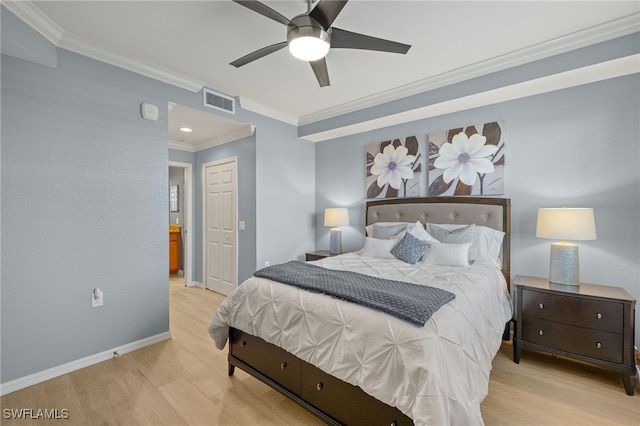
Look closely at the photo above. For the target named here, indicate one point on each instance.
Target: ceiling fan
(310, 35)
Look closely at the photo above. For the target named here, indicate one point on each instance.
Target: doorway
(220, 214)
(184, 217)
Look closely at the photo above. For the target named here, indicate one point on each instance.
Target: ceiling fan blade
(343, 39)
(326, 11)
(320, 70)
(258, 54)
(263, 10)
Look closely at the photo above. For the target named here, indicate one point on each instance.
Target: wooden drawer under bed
(332, 399)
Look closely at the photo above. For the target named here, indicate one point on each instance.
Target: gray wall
(576, 147)
(84, 205)
(285, 194)
(84, 202)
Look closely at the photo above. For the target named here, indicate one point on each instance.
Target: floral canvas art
(393, 168)
(467, 160)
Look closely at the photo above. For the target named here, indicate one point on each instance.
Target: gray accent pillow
(384, 232)
(410, 249)
(456, 236)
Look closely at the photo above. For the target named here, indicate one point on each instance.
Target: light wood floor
(184, 381)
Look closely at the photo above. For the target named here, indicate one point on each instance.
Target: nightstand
(317, 255)
(588, 322)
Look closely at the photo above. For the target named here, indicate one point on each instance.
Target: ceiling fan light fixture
(309, 43)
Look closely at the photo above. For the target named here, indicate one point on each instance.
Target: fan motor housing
(305, 26)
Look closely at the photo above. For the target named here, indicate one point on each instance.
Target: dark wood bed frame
(333, 400)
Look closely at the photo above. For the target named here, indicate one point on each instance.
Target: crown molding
(251, 105)
(598, 72)
(37, 20)
(181, 146)
(234, 135)
(32, 16)
(600, 33)
(79, 45)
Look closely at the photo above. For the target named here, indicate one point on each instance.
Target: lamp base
(564, 266)
(335, 241)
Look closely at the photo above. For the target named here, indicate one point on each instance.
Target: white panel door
(220, 213)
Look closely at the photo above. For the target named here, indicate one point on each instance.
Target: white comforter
(437, 374)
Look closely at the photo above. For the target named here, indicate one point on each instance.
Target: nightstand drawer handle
(599, 315)
(541, 332)
(598, 345)
(541, 306)
(319, 386)
(243, 343)
(283, 366)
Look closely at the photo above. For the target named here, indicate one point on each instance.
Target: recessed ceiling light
(186, 129)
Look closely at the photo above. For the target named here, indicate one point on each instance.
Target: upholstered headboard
(490, 212)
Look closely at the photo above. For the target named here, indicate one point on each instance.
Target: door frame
(188, 219)
(233, 159)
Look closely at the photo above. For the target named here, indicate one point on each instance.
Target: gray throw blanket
(410, 302)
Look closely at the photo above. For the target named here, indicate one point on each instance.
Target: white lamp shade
(336, 217)
(566, 224)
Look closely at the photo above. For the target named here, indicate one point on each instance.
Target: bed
(350, 364)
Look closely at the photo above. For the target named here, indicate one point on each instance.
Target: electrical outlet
(97, 298)
(267, 263)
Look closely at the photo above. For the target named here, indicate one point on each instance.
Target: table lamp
(565, 224)
(336, 217)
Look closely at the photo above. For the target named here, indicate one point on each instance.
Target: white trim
(42, 376)
(607, 31)
(251, 105)
(189, 218)
(234, 135)
(181, 146)
(233, 159)
(589, 74)
(32, 16)
(629, 24)
(78, 45)
(196, 284)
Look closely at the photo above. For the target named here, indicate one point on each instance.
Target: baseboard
(42, 376)
(195, 284)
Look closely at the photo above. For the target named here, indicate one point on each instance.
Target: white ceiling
(191, 43)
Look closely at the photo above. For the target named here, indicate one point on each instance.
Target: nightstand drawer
(581, 312)
(577, 340)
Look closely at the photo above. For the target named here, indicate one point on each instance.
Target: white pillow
(418, 231)
(447, 254)
(486, 243)
(374, 247)
(369, 228)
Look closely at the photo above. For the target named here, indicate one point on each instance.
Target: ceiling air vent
(218, 101)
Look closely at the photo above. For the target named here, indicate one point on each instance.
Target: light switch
(241, 225)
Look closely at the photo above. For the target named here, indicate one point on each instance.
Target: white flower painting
(393, 168)
(467, 161)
